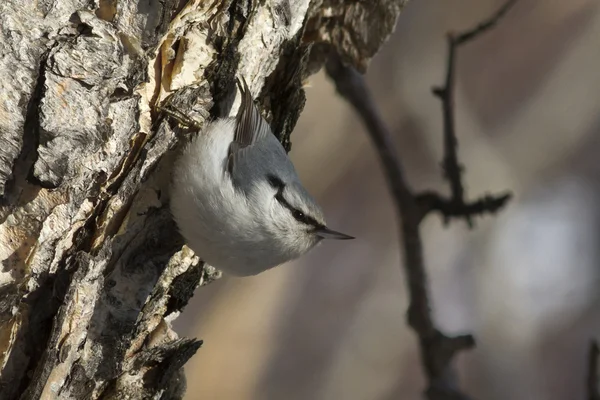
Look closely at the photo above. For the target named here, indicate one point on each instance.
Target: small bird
(237, 199)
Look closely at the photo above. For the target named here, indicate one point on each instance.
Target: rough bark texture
(93, 269)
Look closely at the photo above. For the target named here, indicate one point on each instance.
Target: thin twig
(449, 208)
(452, 168)
(593, 378)
(485, 25)
(437, 350)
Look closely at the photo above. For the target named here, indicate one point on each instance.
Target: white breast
(217, 221)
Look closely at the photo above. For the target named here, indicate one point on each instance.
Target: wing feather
(251, 127)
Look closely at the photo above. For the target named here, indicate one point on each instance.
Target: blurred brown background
(526, 283)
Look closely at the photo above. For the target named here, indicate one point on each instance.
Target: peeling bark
(93, 268)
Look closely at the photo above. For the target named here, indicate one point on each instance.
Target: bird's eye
(298, 214)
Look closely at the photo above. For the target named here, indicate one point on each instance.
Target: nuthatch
(237, 199)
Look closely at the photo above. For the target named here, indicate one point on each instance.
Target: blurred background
(526, 282)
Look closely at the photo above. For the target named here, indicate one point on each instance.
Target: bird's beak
(326, 233)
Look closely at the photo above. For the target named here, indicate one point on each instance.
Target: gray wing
(255, 152)
(250, 125)
(250, 128)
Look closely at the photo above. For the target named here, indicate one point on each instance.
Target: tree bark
(93, 269)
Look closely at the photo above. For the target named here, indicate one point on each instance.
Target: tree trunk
(93, 269)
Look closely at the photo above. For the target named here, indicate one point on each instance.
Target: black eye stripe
(299, 215)
(305, 219)
(275, 182)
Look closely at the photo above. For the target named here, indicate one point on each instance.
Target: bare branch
(485, 25)
(456, 206)
(437, 349)
(450, 208)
